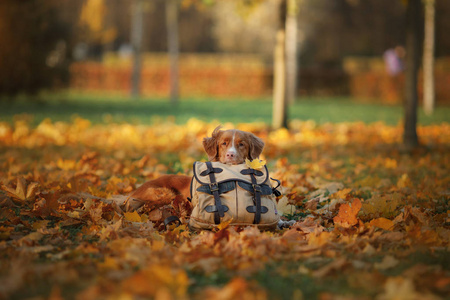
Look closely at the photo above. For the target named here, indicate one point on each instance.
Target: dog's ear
(256, 146)
(211, 144)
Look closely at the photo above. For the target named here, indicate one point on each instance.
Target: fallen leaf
(132, 216)
(284, 208)
(255, 164)
(347, 214)
(388, 262)
(225, 224)
(312, 204)
(23, 191)
(382, 223)
(342, 194)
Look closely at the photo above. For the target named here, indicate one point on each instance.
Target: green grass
(104, 109)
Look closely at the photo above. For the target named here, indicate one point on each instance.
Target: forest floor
(372, 222)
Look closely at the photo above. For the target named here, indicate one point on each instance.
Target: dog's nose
(231, 154)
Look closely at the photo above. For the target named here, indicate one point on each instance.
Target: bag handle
(276, 192)
(169, 220)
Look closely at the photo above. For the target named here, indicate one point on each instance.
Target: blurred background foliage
(226, 47)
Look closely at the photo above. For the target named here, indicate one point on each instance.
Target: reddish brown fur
(247, 146)
(217, 146)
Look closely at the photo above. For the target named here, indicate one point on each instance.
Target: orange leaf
(347, 214)
(382, 223)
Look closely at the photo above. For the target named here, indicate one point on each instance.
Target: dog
(226, 146)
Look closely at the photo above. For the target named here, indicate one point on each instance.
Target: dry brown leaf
(23, 192)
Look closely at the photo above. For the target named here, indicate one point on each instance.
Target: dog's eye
(241, 144)
(224, 143)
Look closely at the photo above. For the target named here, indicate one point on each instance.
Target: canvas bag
(220, 193)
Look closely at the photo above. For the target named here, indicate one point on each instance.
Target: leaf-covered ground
(372, 222)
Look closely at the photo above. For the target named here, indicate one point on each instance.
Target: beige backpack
(235, 193)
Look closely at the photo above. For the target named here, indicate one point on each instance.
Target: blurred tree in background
(34, 43)
(41, 38)
(93, 24)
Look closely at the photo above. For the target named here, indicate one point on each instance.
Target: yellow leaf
(225, 224)
(255, 164)
(404, 181)
(180, 229)
(66, 164)
(133, 216)
(342, 194)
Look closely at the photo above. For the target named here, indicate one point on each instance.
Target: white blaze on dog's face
(232, 146)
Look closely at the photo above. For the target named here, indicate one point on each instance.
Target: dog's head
(232, 146)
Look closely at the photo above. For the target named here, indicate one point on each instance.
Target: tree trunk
(137, 31)
(279, 118)
(428, 58)
(291, 51)
(410, 139)
(172, 38)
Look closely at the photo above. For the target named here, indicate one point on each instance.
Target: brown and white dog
(226, 146)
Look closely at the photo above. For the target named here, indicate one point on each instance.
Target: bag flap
(224, 172)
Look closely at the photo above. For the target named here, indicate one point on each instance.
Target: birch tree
(285, 63)
(137, 32)
(279, 113)
(173, 47)
(428, 57)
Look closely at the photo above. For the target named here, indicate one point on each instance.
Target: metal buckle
(256, 188)
(214, 187)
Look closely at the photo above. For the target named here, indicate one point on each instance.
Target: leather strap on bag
(257, 194)
(219, 211)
